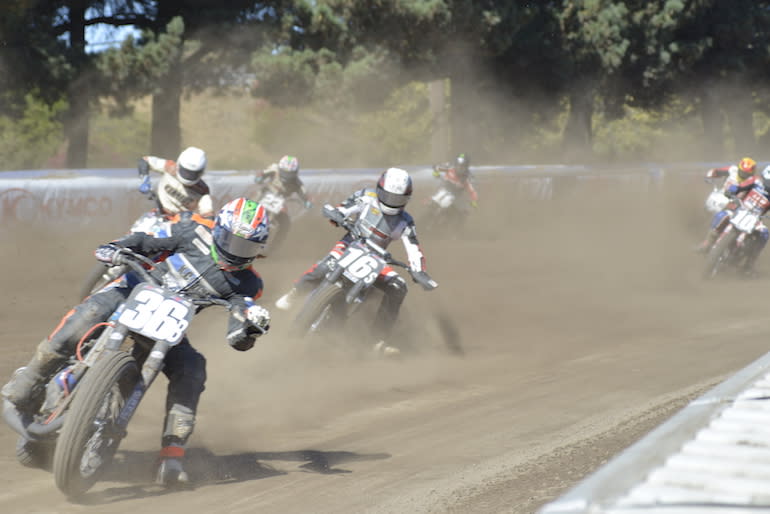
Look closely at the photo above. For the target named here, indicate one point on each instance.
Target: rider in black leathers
(207, 258)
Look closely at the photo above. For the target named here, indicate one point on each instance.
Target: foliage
(397, 131)
(28, 140)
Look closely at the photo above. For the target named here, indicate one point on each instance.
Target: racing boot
(171, 471)
(23, 390)
(383, 349)
(287, 301)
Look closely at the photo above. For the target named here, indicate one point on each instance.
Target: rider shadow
(206, 468)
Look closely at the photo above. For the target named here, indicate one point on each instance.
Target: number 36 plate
(156, 313)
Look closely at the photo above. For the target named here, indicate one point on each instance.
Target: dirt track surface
(575, 327)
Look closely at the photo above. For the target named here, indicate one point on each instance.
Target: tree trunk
(77, 120)
(713, 124)
(577, 142)
(439, 145)
(740, 115)
(166, 134)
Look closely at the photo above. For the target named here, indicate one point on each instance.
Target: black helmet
(463, 164)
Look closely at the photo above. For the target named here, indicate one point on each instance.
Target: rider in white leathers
(182, 187)
(380, 216)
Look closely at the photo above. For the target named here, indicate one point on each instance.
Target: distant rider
(760, 236)
(209, 258)
(379, 213)
(735, 174)
(458, 178)
(182, 187)
(283, 179)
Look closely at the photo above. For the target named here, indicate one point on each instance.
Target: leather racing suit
(189, 267)
(456, 182)
(271, 179)
(176, 197)
(382, 230)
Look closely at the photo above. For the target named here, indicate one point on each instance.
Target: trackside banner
(77, 198)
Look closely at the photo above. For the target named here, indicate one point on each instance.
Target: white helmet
(394, 190)
(190, 165)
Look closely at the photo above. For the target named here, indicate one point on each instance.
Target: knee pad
(179, 425)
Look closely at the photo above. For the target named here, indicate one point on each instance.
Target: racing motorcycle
(152, 222)
(90, 400)
(348, 283)
(444, 211)
(737, 239)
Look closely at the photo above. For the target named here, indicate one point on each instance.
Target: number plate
(157, 313)
(272, 202)
(359, 265)
(443, 197)
(745, 221)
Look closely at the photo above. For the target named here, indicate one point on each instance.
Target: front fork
(150, 370)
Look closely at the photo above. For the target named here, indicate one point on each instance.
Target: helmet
(393, 190)
(190, 165)
(766, 177)
(240, 234)
(288, 168)
(462, 164)
(746, 168)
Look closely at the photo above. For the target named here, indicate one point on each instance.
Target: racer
(379, 213)
(761, 184)
(283, 179)
(457, 177)
(733, 175)
(209, 258)
(182, 187)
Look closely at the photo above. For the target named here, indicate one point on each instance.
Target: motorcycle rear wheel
(89, 438)
(324, 307)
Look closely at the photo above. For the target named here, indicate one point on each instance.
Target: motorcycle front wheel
(719, 256)
(91, 436)
(324, 308)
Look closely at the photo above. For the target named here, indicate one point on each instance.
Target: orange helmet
(746, 167)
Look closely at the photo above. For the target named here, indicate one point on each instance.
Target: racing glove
(145, 187)
(109, 254)
(259, 317)
(732, 190)
(422, 278)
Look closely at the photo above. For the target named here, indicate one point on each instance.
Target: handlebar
(137, 263)
(336, 216)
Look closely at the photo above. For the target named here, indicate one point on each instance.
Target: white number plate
(745, 221)
(443, 197)
(272, 202)
(360, 265)
(156, 313)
